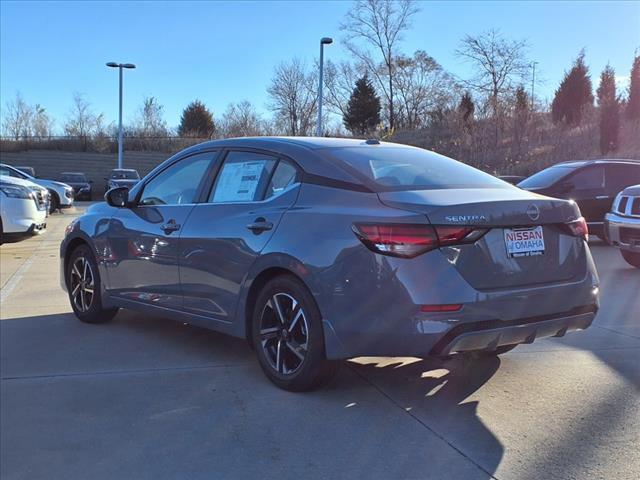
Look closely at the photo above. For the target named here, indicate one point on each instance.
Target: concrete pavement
(145, 397)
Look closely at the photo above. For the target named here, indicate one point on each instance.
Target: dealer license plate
(524, 242)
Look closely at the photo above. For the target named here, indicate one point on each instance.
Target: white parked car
(61, 194)
(23, 207)
(622, 224)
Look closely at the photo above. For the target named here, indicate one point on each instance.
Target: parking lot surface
(145, 397)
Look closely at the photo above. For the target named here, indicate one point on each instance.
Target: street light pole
(323, 41)
(533, 82)
(120, 66)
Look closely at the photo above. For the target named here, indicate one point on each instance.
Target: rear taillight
(578, 228)
(410, 240)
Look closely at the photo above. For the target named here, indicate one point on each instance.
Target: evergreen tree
(633, 102)
(363, 110)
(196, 121)
(573, 95)
(467, 108)
(609, 111)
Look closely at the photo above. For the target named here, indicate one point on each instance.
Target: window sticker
(238, 182)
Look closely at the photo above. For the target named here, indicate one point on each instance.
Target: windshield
(125, 174)
(13, 172)
(411, 169)
(73, 177)
(545, 178)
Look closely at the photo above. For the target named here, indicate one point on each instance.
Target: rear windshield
(410, 169)
(546, 178)
(125, 174)
(71, 177)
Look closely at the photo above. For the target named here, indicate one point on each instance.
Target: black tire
(1, 232)
(54, 202)
(290, 347)
(87, 306)
(632, 258)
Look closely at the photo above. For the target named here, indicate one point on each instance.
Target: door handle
(260, 225)
(170, 226)
(602, 197)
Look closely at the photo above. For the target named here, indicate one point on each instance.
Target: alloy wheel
(82, 284)
(284, 333)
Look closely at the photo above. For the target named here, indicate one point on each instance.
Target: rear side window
(619, 176)
(243, 177)
(285, 174)
(411, 169)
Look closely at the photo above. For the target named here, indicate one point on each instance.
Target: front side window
(546, 178)
(243, 177)
(589, 178)
(178, 184)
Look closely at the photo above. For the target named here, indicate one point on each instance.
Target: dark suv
(593, 184)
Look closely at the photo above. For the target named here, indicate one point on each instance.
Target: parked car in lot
(28, 170)
(23, 207)
(320, 249)
(122, 177)
(593, 184)
(82, 186)
(622, 224)
(60, 194)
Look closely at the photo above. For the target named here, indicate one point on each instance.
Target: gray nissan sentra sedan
(319, 249)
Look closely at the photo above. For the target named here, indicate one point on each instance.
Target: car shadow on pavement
(435, 392)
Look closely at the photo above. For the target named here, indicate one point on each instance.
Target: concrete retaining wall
(49, 164)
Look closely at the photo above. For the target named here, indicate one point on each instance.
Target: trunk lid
(486, 264)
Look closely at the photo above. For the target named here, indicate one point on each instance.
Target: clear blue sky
(226, 51)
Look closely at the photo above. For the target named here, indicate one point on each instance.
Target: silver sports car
(320, 249)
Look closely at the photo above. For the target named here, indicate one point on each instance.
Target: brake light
(579, 228)
(398, 240)
(410, 240)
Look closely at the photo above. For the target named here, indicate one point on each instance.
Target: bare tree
(500, 65)
(17, 118)
(339, 80)
(422, 87)
(241, 120)
(41, 122)
(293, 97)
(379, 24)
(150, 121)
(82, 122)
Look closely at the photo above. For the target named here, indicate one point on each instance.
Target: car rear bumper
(487, 336)
(391, 323)
(623, 232)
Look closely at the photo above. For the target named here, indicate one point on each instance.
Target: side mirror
(117, 197)
(90, 181)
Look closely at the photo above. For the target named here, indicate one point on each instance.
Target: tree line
(381, 91)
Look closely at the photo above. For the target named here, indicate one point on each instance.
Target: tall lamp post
(120, 66)
(323, 41)
(533, 82)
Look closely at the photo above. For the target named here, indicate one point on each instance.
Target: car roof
(598, 161)
(123, 170)
(312, 143)
(71, 173)
(306, 151)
